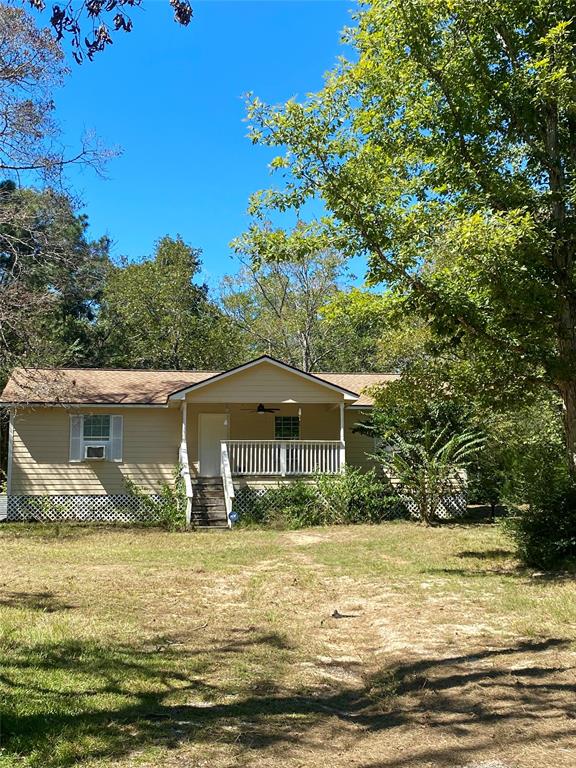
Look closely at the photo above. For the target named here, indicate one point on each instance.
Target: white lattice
(246, 498)
(121, 508)
(452, 506)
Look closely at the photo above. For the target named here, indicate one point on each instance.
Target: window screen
(287, 428)
(96, 427)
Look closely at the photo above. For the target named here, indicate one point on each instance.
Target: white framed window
(96, 428)
(96, 437)
(287, 428)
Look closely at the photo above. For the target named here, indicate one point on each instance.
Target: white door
(212, 428)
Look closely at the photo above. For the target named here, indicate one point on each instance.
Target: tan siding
(41, 453)
(358, 445)
(265, 383)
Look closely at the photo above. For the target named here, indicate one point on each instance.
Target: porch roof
(105, 386)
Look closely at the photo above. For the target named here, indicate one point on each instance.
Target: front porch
(263, 421)
(227, 446)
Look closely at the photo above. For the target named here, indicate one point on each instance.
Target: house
(81, 440)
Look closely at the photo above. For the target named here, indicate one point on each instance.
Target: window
(287, 428)
(96, 437)
(96, 428)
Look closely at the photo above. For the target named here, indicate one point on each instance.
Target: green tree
(430, 469)
(154, 314)
(446, 150)
(278, 307)
(51, 276)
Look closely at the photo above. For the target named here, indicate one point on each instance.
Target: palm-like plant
(430, 470)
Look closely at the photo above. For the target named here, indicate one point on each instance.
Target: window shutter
(75, 438)
(116, 430)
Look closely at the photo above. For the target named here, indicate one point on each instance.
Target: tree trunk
(568, 394)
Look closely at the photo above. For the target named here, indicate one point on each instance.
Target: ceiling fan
(261, 408)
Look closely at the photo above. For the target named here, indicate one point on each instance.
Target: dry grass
(140, 648)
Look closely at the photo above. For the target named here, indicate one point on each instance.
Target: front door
(212, 428)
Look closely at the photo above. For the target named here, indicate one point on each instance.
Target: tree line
(65, 302)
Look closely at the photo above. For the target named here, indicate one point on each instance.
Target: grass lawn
(143, 648)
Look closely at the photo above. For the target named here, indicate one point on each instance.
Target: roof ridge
(121, 370)
(355, 373)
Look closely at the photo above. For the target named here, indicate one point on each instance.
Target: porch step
(208, 507)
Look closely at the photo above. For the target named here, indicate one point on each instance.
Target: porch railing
(284, 457)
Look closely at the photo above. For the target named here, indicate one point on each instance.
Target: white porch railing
(284, 457)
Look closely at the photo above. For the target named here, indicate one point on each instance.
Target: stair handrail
(228, 483)
(185, 474)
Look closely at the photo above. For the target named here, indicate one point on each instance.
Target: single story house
(81, 440)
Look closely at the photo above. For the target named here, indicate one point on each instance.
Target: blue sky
(171, 98)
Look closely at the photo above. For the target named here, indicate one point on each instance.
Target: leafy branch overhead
(445, 150)
(101, 18)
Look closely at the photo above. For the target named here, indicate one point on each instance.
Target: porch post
(342, 441)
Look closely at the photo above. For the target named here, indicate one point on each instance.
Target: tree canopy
(445, 149)
(155, 315)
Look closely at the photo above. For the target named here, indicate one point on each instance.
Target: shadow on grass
(487, 554)
(64, 703)
(35, 601)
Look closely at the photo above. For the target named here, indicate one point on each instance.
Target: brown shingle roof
(136, 387)
(359, 382)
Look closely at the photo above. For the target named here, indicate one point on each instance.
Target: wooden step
(208, 506)
(209, 521)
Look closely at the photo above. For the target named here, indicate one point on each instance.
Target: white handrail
(227, 481)
(185, 474)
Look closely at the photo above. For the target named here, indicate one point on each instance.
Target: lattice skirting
(121, 508)
(453, 506)
(246, 497)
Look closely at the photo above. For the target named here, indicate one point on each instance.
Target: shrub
(354, 496)
(168, 511)
(430, 469)
(293, 505)
(350, 497)
(545, 531)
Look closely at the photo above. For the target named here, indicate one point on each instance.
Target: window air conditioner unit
(95, 452)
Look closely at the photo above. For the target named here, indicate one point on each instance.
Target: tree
(375, 333)
(50, 279)
(431, 469)
(278, 307)
(69, 21)
(446, 150)
(154, 315)
(31, 66)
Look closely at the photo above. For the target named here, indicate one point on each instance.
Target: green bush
(354, 496)
(168, 511)
(350, 497)
(293, 505)
(545, 531)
